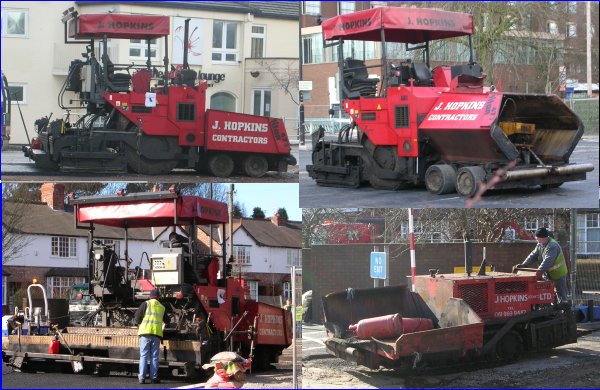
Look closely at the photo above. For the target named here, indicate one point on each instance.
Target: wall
(332, 268)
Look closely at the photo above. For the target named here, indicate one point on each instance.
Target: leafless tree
(14, 213)
(285, 74)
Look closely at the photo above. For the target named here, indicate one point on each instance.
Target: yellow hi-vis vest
(559, 268)
(153, 319)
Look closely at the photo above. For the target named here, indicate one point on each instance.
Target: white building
(247, 50)
(264, 251)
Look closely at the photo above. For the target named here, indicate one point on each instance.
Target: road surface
(580, 194)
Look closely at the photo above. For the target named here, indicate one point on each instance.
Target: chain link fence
(587, 110)
(587, 272)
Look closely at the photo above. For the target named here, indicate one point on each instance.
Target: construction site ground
(276, 378)
(568, 366)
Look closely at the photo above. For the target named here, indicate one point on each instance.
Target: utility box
(167, 268)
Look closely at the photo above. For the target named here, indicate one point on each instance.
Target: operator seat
(422, 74)
(356, 79)
(118, 82)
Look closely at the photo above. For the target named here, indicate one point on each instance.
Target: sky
(269, 197)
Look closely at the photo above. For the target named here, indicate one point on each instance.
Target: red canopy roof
(149, 209)
(123, 26)
(406, 25)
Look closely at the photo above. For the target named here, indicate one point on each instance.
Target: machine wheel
(220, 165)
(384, 184)
(145, 166)
(440, 179)
(510, 347)
(468, 179)
(256, 165)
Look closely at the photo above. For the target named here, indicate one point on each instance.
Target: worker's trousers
(560, 286)
(149, 349)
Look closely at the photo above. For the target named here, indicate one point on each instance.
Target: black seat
(356, 80)
(422, 74)
(118, 82)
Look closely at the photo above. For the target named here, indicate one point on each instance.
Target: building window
(4, 291)
(552, 27)
(241, 254)
(377, 4)
(15, 23)
(223, 101)
(257, 47)
(261, 102)
(436, 237)
(572, 7)
(293, 257)
(253, 290)
(225, 47)
(588, 232)
(531, 225)
(312, 7)
(312, 49)
(346, 7)
(138, 49)
(571, 30)
(18, 93)
(287, 291)
(60, 286)
(114, 243)
(64, 247)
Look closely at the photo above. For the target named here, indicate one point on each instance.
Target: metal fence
(587, 109)
(587, 264)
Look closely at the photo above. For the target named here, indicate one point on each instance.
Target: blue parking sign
(378, 265)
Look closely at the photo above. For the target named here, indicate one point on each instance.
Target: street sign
(378, 265)
(305, 85)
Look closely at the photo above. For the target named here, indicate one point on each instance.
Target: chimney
(53, 195)
(279, 220)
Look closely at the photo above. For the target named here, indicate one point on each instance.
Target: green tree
(282, 213)
(258, 213)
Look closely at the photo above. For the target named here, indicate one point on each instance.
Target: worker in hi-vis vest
(150, 316)
(553, 265)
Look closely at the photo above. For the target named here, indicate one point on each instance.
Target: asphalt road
(579, 194)
(17, 167)
(11, 379)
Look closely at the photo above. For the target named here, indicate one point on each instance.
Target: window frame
(345, 10)
(568, 30)
(4, 290)
(223, 50)
(223, 93)
(293, 257)
(5, 24)
(262, 101)
(549, 25)
(143, 45)
(313, 5)
(24, 93)
(286, 290)
(247, 256)
(64, 285)
(70, 250)
(253, 290)
(262, 36)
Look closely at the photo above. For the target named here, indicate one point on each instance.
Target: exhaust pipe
(575, 168)
(541, 172)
